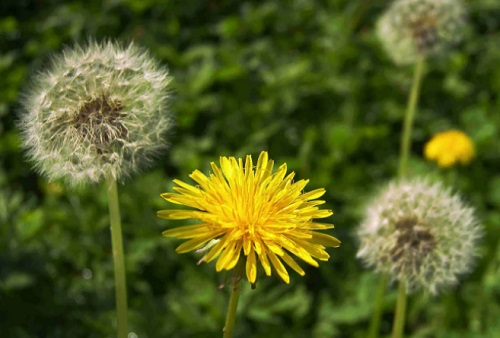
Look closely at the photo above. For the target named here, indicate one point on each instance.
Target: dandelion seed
(450, 148)
(420, 28)
(419, 233)
(98, 111)
(251, 210)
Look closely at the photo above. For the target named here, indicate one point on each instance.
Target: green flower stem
(399, 319)
(233, 301)
(231, 311)
(379, 307)
(118, 258)
(402, 171)
(409, 116)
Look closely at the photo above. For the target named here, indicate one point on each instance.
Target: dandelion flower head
(449, 148)
(419, 233)
(97, 111)
(410, 29)
(252, 211)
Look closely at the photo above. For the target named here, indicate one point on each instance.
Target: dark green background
(305, 80)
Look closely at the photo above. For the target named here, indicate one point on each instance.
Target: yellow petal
(279, 267)
(275, 248)
(264, 261)
(297, 250)
(195, 191)
(216, 250)
(247, 245)
(315, 213)
(196, 242)
(236, 256)
(189, 231)
(316, 226)
(199, 178)
(277, 178)
(315, 250)
(431, 150)
(313, 194)
(228, 257)
(325, 240)
(251, 266)
(179, 214)
(183, 200)
(291, 263)
(262, 161)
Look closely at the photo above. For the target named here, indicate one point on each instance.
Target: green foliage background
(305, 80)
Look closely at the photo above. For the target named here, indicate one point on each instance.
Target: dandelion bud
(449, 148)
(419, 28)
(419, 233)
(97, 111)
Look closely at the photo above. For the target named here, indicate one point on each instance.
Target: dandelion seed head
(97, 111)
(420, 233)
(420, 28)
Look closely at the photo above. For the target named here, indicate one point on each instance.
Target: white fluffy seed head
(419, 28)
(419, 233)
(97, 111)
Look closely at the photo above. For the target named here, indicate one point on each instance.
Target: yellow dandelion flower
(251, 210)
(449, 148)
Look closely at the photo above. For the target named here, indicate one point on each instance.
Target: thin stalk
(409, 117)
(118, 258)
(399, 319)
(378, 308)
(402, 171)
(233, 301)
